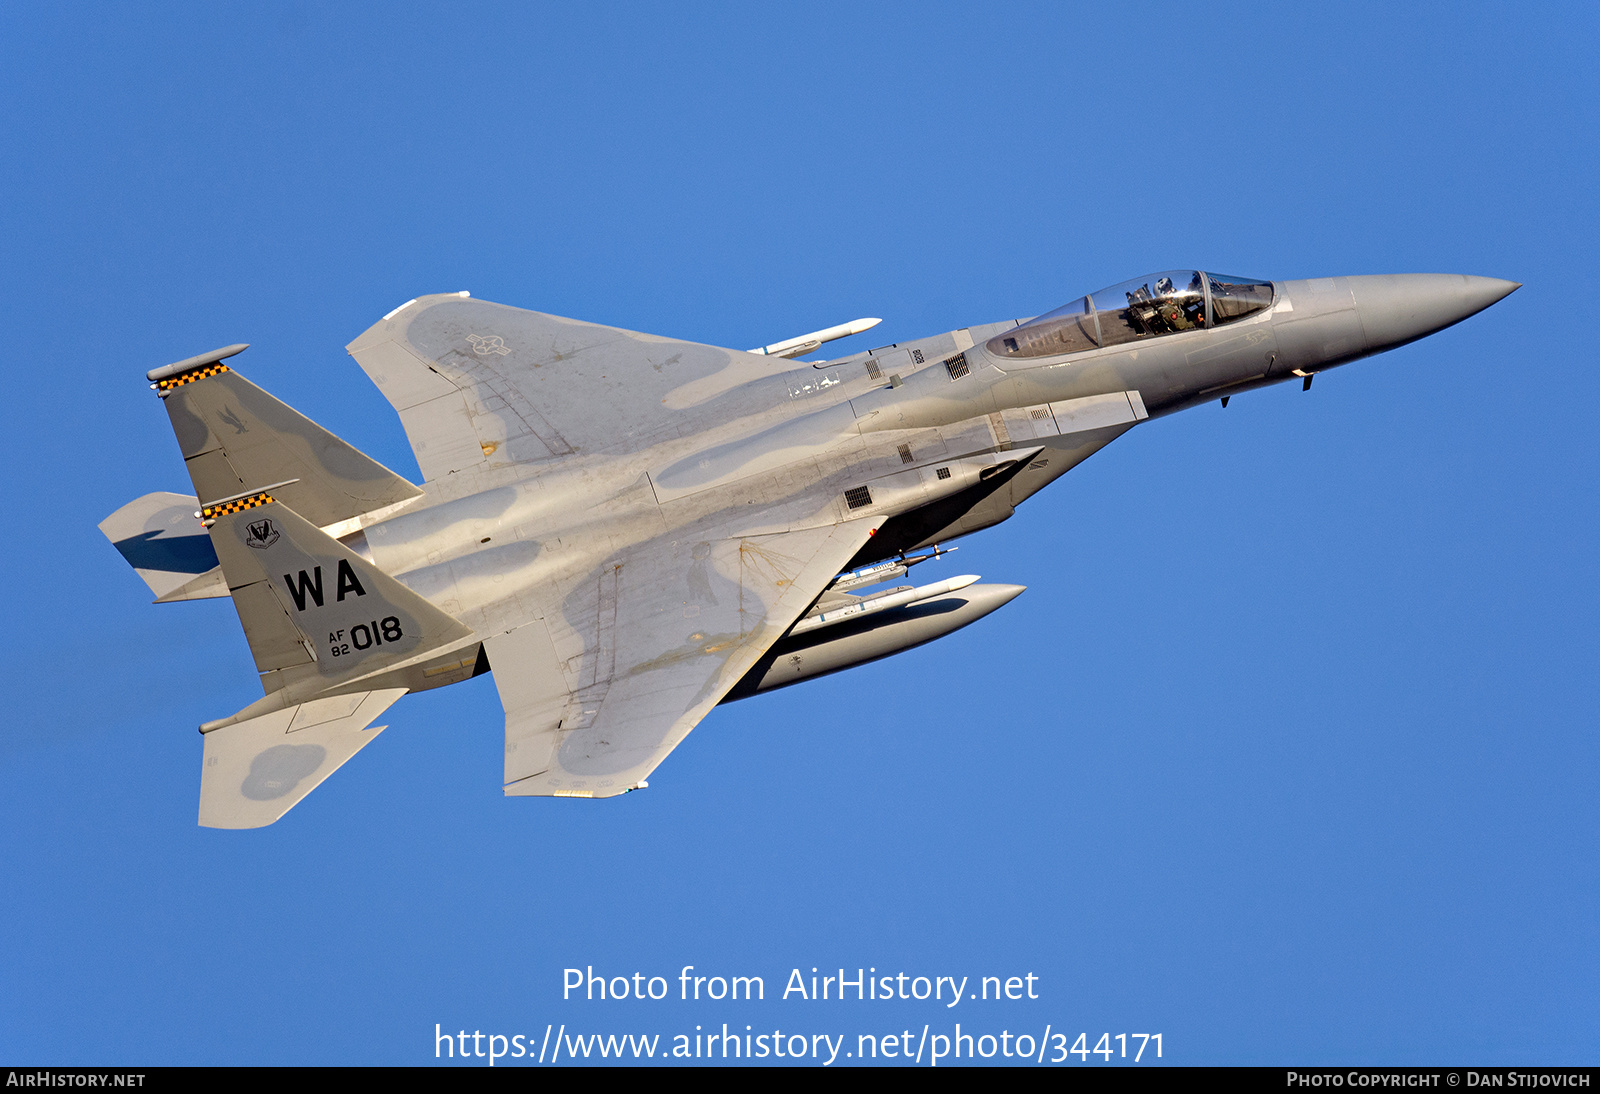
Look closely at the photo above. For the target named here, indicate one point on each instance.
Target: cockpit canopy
(1148, 307)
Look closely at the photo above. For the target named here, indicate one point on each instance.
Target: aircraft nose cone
(1400, 308)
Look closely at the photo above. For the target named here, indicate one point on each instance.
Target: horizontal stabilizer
(316, 614)
(208, 585)
(164, 543)
(255, 771)
(237, 437)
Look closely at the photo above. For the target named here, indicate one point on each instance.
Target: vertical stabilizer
(316, 614)
(237, 437)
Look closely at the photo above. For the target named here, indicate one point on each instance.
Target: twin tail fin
(237, 437)
(317, 615)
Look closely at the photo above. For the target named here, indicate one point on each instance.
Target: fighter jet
(627, 530)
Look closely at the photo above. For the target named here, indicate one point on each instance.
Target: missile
(882, 602)
(884, 571)
(805, 343)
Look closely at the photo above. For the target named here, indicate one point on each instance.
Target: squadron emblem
(260, 534)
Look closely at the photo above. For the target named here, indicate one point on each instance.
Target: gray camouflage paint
(629, 524)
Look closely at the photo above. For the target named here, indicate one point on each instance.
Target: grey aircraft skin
(628, 529)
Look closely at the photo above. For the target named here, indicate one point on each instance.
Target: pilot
(1196, 306)
(1172, 312)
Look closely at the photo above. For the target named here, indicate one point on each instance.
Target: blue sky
(1288, 753)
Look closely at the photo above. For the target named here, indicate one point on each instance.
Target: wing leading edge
(678, 628)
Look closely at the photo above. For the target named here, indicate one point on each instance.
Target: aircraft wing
(609, 670)
(477, 383)
(675, 626)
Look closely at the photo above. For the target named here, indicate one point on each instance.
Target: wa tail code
(310, 586)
